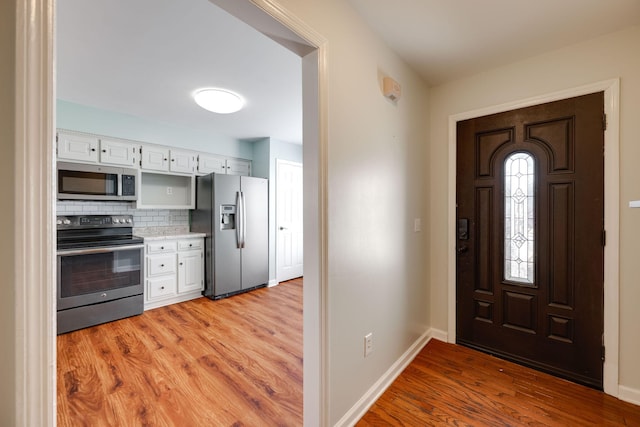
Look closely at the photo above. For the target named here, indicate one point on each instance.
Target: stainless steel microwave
(78, 181)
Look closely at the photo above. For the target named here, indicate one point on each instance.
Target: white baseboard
(439, 335)
(361, 407)
(272, 283)
(629, 394)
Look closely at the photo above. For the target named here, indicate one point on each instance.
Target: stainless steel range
(100, 270)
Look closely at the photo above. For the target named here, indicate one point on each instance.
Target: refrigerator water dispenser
(227, 217)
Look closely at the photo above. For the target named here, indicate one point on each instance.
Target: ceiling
(447, 39)
(146, 57)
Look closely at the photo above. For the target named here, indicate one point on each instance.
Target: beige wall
(376, 188)
(7, 310)
(611, 56)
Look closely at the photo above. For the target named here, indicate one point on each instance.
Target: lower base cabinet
(174, 271)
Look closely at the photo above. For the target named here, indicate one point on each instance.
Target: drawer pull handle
(161, 265)
(161, 247)
(161, 287)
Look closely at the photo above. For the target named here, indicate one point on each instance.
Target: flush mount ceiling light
(219, 101)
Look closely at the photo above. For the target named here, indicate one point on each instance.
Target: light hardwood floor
(236, 361)
(452, 385)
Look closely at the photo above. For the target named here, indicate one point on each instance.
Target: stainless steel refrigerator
(233, 211)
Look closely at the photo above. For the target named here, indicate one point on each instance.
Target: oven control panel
(93, 221)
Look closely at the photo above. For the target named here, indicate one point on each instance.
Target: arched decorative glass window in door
(519, 218)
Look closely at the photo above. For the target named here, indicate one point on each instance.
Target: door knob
(462, 249)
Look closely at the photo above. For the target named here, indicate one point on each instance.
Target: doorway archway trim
(34, 338)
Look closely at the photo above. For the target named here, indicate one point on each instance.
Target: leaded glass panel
(519, 231)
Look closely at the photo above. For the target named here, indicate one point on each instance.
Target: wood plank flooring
(452, 385)
(236, 361)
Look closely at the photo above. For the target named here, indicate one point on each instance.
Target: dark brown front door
(530, 218)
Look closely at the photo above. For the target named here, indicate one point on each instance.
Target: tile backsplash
(141, 217)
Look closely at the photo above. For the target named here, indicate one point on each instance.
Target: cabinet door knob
(93, 149)
(180, 263)
(161, 265)
(161, 247)
(161, 287)
(104, 151)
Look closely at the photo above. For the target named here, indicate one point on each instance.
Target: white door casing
(289, 236)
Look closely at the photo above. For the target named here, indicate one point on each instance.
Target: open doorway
(36, 352)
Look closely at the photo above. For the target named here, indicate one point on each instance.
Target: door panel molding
(611, 89)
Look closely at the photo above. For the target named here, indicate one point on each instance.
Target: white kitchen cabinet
(154, 158)
(114, 152)
(211, 164)
(182, 161)
(190, 265)
(77, 147)
(163, 159)
(150, 158)
(174, 270)
(158, 265)
(161, 288)
(238, 167)
(88, 148)
(217, 164)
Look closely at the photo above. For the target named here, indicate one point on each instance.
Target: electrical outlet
(417, 225)
(368, 344)
(169, 190)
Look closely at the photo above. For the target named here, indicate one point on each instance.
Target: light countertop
(165, 233)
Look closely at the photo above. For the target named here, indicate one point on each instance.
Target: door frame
(276, 225)
(34, 198)
(611, 89)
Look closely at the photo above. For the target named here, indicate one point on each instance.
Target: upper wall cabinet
(154, 158)
(118, 152)
(182, 161)
(238, 167)
(93, 149)
(78, 147)
(211, 164)
(217, 164)
(163, 159)
(83, 147)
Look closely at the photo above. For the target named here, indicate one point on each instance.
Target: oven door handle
(103, 250)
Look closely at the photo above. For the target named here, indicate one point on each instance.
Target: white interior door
(288, 220)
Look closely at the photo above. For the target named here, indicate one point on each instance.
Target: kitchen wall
(265, 153)
(8, 183)
(611, 56)
(377, 184)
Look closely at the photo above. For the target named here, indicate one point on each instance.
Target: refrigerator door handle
(239, 233)
(243, 219)
(240, 220)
